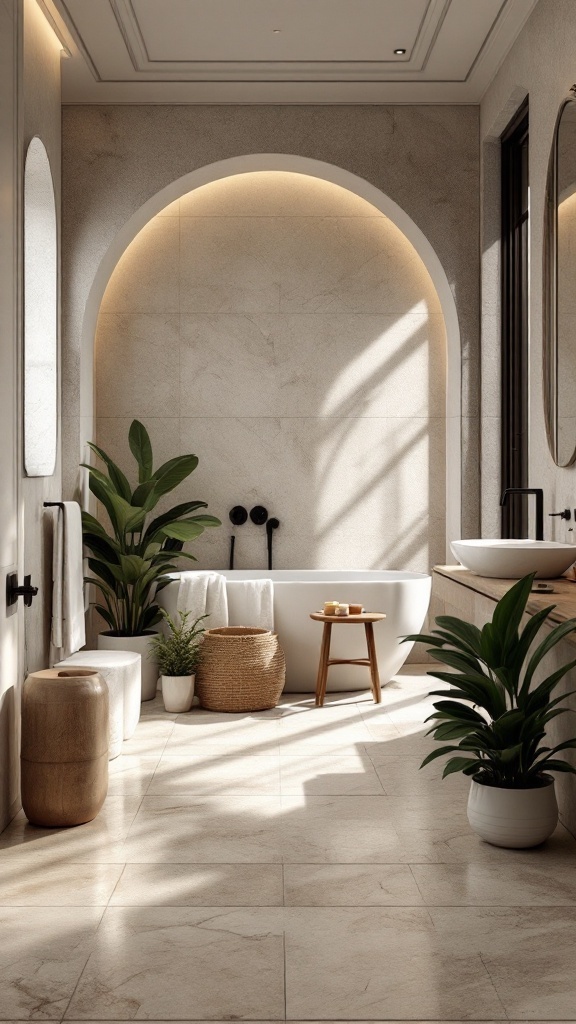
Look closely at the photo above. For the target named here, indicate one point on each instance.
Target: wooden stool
(367, 619)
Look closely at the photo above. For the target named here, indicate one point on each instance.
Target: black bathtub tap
(271, 525)
(238, 516)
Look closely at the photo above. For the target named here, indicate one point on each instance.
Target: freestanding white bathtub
(403, 596)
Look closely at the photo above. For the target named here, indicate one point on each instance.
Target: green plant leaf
(554, 765)
(106, 615)
(166, 518)
(422, 638)
(451, 730)
(117, 477)
(133, 567)
(207, 522)
(142, 494)
(465, 631)
(437, 753)
(102, 570)
(509, 611)
(554, 637)
(460, 710)
(102, 546)
(91, 525)
(460, 764)
(458, 660)
(172, 473)
(183, 530)
(141, 448)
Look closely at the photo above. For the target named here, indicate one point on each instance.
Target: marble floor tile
(338, 829)
(219, 774)
(56, 884)
(169, 905)
(187, 739)
(176, 963)
(354, 885)
(42, 955)
(150, 737)
(389, 743)
(320, 729)
(559, 850)
(215, 830)
(381, 964)
(100, 840)
(344, 745)
(496, 884)
(155, 709)
(529, 953)
(199, 885)
(329, 774)
(130, 774)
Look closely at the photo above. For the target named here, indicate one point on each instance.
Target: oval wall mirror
(40, 314)
(559, 328)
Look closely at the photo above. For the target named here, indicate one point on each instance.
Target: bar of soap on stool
(342, 609)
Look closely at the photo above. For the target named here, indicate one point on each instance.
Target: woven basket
(242, 669)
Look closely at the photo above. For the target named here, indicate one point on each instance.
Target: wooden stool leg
(323, 665)
(374, 677)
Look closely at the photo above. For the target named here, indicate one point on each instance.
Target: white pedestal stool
(122, 671)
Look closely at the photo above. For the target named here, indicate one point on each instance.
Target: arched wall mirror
(40, 314)
(559, 328)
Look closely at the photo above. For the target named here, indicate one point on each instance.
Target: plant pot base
(513, 818)
(178, 693)
(137, 645)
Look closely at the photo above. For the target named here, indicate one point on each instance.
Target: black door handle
(13, 591)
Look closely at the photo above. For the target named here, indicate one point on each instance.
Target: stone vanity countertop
(564, 595)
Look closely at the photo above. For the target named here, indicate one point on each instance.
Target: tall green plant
(129, 565)
(493, 708)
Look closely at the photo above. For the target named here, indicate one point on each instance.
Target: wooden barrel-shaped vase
(64, 746)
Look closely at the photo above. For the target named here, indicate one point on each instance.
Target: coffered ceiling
(283, 51)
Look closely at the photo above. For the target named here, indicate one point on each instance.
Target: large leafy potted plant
(493, 718)
(178, 655)
(129, 565)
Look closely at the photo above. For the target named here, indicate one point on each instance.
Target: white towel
(204, 593)
(256, 603)
(68, 622)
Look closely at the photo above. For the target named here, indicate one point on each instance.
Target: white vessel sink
(512, 559)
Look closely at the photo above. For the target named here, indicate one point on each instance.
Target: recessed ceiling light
(276, 31)
(399, 52)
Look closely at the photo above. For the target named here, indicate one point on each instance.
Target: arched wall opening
(360, 384)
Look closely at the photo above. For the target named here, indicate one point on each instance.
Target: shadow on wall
(285, 331)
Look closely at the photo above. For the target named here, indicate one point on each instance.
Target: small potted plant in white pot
(499, 715)
(178, 655)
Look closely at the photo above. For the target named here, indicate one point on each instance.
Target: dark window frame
(515, 313)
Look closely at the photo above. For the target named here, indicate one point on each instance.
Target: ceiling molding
(454, 50)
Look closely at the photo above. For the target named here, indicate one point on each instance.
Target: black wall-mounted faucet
(539, 494)
(271, 525)
(238, 516)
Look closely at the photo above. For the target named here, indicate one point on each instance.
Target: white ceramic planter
(515, 818)
(178, 692)
(138, 645)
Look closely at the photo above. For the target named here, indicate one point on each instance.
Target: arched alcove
(359, 188)
(40, 314)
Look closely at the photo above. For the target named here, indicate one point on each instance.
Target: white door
(11, 618)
